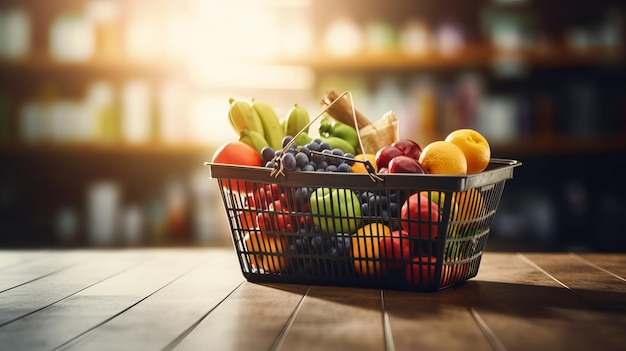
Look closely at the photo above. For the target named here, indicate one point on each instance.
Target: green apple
(336, 210)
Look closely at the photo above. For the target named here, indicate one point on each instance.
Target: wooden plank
(36, 266)
(334, 318)
(110, 294)
(159, 319)
(521, 308)
(250, 319)
(29, 298)
(611, 263)
(598, 287)
(432, 321)
(10, 258)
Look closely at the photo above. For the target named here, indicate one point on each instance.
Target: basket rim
(497, 170)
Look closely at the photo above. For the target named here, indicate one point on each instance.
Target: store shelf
(476, 56)
(99, 151)
(42, 65)
(552, 145)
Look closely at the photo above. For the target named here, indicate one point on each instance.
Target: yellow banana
(242, 116)
(297, 120)
(272, 129)
(254, 139)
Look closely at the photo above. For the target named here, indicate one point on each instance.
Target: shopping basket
(419, 232)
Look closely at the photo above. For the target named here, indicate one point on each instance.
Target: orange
(359, 167)
(440, 157)
(470, 205)
(365, 249)
(269, 251)
(237, 153)
(475, 147)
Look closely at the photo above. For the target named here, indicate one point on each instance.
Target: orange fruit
(470, 205)
(474, 146)
(269, 251)
(359, 167)
(440, 157)
(365, 249)
(237, 153)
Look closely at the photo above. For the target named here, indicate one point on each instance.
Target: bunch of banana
(297, 120)
(241, 116)
(256, 123)
(272, 128)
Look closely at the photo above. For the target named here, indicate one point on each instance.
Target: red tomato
(421, 271)
(395, 249)
(419, 217)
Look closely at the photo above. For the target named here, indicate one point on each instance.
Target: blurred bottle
(103, 211)
(141, 27)
(380, 37)
(72, 37)
(497, 118)
(132, 225)
(105, 17)
(177, 212)
(416, 38)
(343, 37)
(66, 225)
(424, 102)
(15, 33)
(136, 112)
(450, 39)
(102, 112)
(173, 112)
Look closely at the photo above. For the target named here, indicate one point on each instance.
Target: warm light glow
(343, 38)
(252, 76)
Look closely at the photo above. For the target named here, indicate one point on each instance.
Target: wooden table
(197, 299)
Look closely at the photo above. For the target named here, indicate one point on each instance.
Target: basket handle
(278, 161)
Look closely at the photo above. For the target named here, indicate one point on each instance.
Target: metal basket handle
(278, 161)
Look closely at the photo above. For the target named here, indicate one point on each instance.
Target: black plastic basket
(308, 241)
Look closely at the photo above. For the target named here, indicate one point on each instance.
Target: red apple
(277, 219)
(405, 164)
(419, 217)
(386, 154)
(395, 249)
(421, 271)
(409, 148)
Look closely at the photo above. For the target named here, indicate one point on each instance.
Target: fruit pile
(386, 234)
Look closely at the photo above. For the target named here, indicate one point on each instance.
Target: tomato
(237, 153)
(421, 271)
(419, 217)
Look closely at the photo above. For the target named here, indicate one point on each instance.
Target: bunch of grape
(383, 207)
(315, 156)
(314, 253)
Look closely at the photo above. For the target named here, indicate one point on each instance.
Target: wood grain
(196, 299)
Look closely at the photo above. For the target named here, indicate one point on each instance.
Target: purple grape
(289, 162)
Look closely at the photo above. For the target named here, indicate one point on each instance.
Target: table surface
(197, 299)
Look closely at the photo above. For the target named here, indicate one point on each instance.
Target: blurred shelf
(471, 57)
(103, 150)
(42, 65)
(475, 56)
(560, 145)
